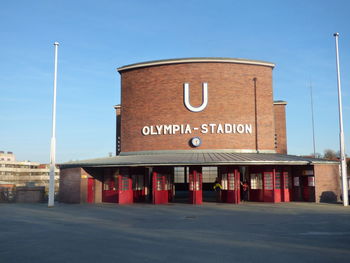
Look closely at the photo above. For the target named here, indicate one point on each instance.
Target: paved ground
(251, 232)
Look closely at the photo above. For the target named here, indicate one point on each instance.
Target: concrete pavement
(250, 232)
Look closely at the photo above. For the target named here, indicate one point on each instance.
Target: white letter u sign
(204, 97)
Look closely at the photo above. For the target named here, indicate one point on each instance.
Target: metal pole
(313, 123)
(53, 138)
(341, 135)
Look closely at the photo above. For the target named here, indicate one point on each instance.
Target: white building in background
(23, 173)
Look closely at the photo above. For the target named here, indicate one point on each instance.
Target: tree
(330, 154)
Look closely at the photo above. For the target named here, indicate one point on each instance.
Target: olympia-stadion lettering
(204, 128)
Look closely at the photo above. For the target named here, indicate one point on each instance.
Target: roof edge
(171, 160)
(195, 60)
(279, 102)
(160, 152)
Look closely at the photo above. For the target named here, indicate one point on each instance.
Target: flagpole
(312, 119)
(51, 202)
(341, 135)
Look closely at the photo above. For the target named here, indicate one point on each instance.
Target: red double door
(125, 192)
(230, 180)
(160, 187)
(276, 186)
(118, 189)
(195, 185)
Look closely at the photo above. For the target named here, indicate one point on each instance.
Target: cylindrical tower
(197, 104)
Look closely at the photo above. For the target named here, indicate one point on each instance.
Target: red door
(109, 191)
(305, 188)
(195, 187)
(268, 187)
(91, 190)
(138, 187)
(285, 187)
(160, 191)
(125, 193)
(277, 187)
(256, 191)
(233, 187)
(171, 188)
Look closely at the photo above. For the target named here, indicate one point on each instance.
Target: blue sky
(96, 37)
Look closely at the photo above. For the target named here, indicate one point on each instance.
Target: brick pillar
(118, 127)
(280, 126)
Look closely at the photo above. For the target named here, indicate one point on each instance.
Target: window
(286, 180)
(231, 181)
(106, 185)
(311, 181)
(179, 174)
(125, 183)
(137, 182)
(159, 181)
(224, 181)
(209, 174)
(268, 181)
(256, 181)
(278, 180)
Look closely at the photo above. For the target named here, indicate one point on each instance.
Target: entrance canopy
(187, 158)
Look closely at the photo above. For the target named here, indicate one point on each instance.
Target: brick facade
(237, 94)
(280, 127)
(70, 180)
(74, 185)
(327, 183)
(118, 128)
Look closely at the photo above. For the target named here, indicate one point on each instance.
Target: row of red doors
(271, 186)
(266, 187)
(120, 188)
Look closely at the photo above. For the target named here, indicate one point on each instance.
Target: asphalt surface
(250, 232)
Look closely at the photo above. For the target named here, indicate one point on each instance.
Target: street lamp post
(51, 202)
(312, 119)
(341, 135)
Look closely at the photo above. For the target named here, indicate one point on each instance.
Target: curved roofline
(199, 158)
(195, 60)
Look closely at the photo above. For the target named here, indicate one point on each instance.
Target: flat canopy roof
(196, 158)
(195, 60)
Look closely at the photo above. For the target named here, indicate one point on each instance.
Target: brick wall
(327, 182)
(154, 95)
(70, 180)
(280, 127)
(30, 194)
(118, 128)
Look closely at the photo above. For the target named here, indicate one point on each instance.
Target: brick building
(22, 173)
(183, 123)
